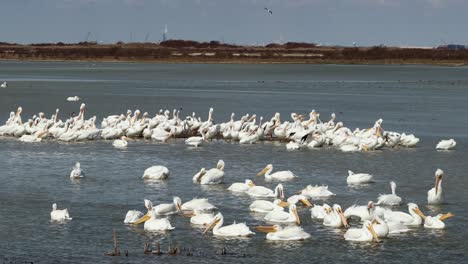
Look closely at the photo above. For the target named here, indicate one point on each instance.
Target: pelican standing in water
(234, 230)
(358, 178)
(59, 215)
(279, 175)
(280, 216)
(211, 176)
(156, 173)
(288, 233)
(76, 172)
(435, 195)
(390, 199)
(364, 234)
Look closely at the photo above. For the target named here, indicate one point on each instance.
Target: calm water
(428, 101)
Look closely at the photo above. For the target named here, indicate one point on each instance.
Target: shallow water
(427, 101)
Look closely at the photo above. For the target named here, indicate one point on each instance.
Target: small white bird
(156, 173)
(358, 178)
(435, 195)
(4, 85)
(446, 144)
(77, 173)
(390, 199)
(121, 143)
(73, 99)
(59, 215)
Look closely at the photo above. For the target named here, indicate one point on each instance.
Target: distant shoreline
(188, 52)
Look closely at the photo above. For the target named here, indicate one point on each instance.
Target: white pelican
(241, 187)
(59, 215)
(362, 212)
(77, 173)
(411, 219)
(200, 204)
(4, 85)
(211, 176)
(234, 230)
(389, 199)
(132, 216)
(380, 227)
(201, 218)
(120, 143)
(364, 234)
(446, 144)
(168, 209)
(279, 175)
(73, 99)
(292, 145)
(156, 173)
(260, 191)
(358, 178)
(280, 216)
(318, 211)
(435, 222)
(157, 224)
(196, 141)
(316, 191)
(304, 200)
(288, 233)
(262, 206)
(335, 217)
(435, 195)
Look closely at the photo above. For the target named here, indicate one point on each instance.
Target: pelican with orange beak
(334, 217)
(435, 195)
(280, 216)
(263, 192)
(434, 222)
(241, 187)
(299, 198)
(211, 176)
(364, 234)
(234, 230)
(262, 206)
(279, 175)
(288, 233)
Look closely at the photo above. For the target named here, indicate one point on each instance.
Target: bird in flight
(269, 11)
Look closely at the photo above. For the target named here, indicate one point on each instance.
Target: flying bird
(269, 11)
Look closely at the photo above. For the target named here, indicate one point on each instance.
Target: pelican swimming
(241, 186)
(316, 192)
(448, 144)
(390, 199)
(132, 216)
(168, 209)
(362, 212)
(157, 224)
(358, 178)
(234, 230)
(156, 173)
(196, 141)
(411, 219)
(59, 215)
(334, 217)
(287, 233)
(364, 234)
(435, 195)
(318, 211)
(201, 218)
(120, 143)
(280, 216)
(76, 172)
(200, 204)
(279, 175)
(304, 200)
(435, 222)
(211, 176)
(263, 206)
(263, 192)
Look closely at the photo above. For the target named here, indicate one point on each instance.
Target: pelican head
(438, 178)
(54, 206)
(267, 168)
(413, 207)
(82, 107)
(220, 165)
(249, 183)
(327, 209)
(218, 218)
(370, 206)
(77, 165)
(19, 110)
(279, 192)
(178, 203)
(339, 211)
(368, 225)
(279, 202)
(148, 204)
(148, 215)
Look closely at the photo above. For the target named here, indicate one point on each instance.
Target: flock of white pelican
(299, 132)
(376, 220)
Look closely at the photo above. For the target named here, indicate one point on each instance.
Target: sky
(328, 22)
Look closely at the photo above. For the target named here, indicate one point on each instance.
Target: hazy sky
(366, 22)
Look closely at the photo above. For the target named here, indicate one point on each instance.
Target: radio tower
(164, 36)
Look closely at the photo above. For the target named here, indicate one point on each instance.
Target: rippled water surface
(431, 102)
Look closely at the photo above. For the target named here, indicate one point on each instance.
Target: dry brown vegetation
(216, 52)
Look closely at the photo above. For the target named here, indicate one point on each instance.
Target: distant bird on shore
(4, 85)
(269, 11)
(73, 99)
